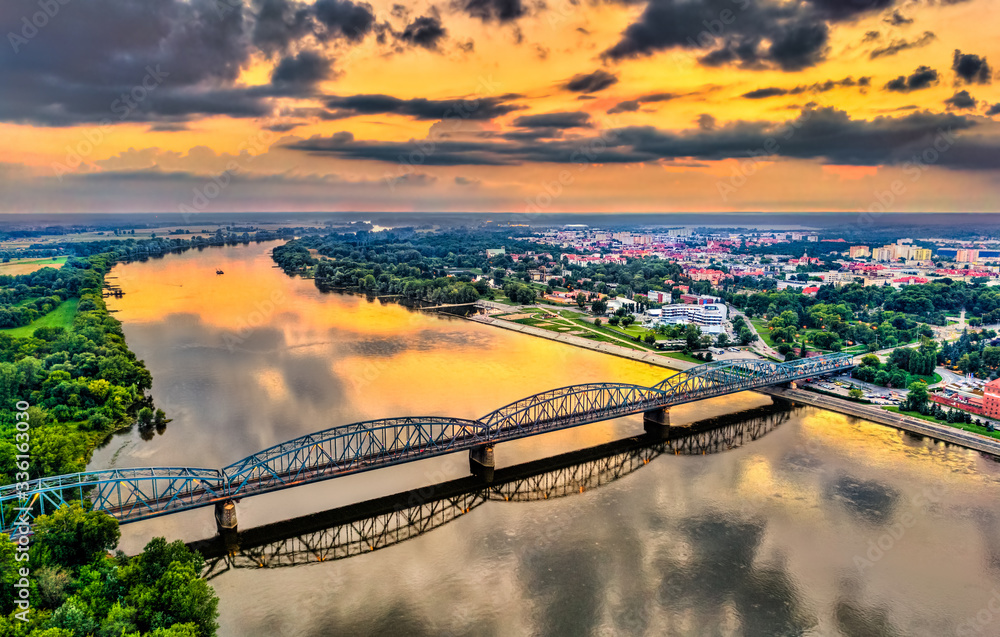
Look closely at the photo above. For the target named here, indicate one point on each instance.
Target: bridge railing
(133, 494)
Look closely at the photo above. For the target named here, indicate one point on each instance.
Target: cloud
(492, 10)
(961, 101)
(425, 31)
(896, 46)
(344, 18)
(590, 82)
(823, 134)
(630, 106)
(762, 93)
(479, 108)
(569, 119)
(466, 181)
(971, 69)
(923, 77)
(752, 34)
(307, 68)
(993, 110)
(817, 87)
(897, 19)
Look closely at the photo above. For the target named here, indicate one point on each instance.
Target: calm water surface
(824, 526)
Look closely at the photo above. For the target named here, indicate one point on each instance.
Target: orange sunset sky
(499, 105)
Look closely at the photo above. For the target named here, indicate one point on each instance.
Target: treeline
(975, 353)
(417, 268)
(81, 383)
(78, 589)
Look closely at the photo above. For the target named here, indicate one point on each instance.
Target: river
(822, 525)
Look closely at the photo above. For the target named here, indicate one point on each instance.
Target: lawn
(62, 316)
(970, 427)
(762, 330)
(27, 266)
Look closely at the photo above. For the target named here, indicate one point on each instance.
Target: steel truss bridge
(137, 494)
(370, 526)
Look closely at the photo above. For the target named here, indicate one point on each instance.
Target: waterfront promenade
(872, 413)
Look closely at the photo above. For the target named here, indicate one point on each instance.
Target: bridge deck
(137, 494)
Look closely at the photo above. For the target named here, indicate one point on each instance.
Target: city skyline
(498, 105)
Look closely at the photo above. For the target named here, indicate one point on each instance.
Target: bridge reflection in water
(376, 524)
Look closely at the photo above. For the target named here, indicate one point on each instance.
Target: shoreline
(949, 435)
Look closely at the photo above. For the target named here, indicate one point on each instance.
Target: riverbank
(878, 415)
(577, 341)
(872, 413)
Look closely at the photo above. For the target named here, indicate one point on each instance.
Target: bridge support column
(657, 422)
(225, 516)
(481, 462)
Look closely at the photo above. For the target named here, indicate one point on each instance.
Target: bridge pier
(656, 422)
(225, 516)
(481, 462)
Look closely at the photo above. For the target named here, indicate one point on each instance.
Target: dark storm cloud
(923, 77)
(752, 34)
(762, 93)
(425, 31)
(279, 23)
(896, 46)
(818, 87)
(571, 119)
(824, 134)
(163, 60)
(482, 108)
(970, 68)
(630, 106)
(961, 101)
(345, 18)
(590, 82)
(492, 10)
(898, 19)
(305, 69)
(993, 110)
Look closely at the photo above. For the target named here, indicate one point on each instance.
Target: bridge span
(137, 494)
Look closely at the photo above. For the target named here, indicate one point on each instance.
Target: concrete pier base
(225, 516)
(657, 422)
(481, 462)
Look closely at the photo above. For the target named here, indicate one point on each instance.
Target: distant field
(27, 266)
(62, 316)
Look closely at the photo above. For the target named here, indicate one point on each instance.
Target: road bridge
(138, 494)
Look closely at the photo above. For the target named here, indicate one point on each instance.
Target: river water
(819, 525)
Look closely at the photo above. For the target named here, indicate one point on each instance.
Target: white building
(656, 296)
(710, 318)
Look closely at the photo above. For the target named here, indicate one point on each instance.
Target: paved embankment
(873, 414)
(876, 414)
(586, 343)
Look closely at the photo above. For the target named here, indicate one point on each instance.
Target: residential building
(967, 256)
(656, 296)
(991, 399)
(699, 299)
(710, 318)
(860, 252)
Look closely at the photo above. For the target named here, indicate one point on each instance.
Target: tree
(599, 307)
(650, 338)
(692, 335)
(581, 299)
(871, 360)
(628, 320)
(855, 393)
(73, 537)
(597, 322)
(722, 339)
(917, 396)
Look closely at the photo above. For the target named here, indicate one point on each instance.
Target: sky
(525, 106)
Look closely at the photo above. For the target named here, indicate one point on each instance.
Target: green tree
(855, 393)
(72, 537)
(581, 299)
(917, 396)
